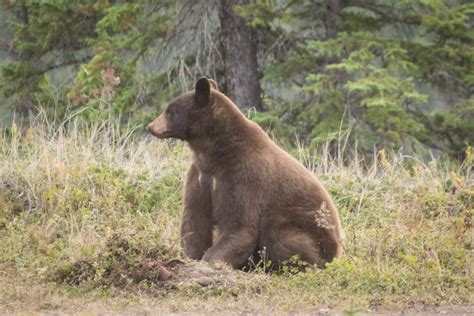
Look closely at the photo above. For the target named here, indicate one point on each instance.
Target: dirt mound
(204, 274)
(124, 264)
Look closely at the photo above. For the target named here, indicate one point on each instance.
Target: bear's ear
(213, 83)
(202, 91)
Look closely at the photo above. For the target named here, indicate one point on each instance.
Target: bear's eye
(169, 113)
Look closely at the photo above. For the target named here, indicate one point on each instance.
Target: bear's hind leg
(284, 245)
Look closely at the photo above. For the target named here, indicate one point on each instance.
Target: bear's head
(187, 114)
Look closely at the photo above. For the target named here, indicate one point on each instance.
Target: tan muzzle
(159, 127)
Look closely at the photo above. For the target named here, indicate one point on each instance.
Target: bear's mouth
(159, 127)
(159, 134)
(166, 134)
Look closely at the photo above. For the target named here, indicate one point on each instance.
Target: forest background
(394, 75)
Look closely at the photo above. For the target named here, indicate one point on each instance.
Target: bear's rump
(295, 231)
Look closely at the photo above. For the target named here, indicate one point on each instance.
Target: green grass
(81, 208)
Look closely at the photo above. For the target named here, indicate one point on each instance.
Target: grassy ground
(81, 209)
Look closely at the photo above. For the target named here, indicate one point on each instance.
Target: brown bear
(240, 182)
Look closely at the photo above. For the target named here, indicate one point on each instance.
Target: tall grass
(77, 200)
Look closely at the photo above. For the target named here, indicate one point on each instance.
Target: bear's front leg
(196, 224)
(233, 247)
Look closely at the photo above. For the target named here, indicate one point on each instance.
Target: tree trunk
(239, 47)
(333, 17)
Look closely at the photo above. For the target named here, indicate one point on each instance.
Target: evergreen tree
(373, 70)
(103, 41)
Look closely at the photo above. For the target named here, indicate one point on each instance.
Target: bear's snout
(159, 127)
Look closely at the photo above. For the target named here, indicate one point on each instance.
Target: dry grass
(77, 202)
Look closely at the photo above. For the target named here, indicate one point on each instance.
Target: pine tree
(373, 70)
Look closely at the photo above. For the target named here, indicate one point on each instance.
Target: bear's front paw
(211, 256)
(207, 256)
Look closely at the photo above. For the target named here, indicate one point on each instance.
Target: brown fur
(242, 183)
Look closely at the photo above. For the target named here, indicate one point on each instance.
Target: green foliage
(271, 121)
(103, 40)
(125, 33)
(373, 73)
(456, 125)
(376, 87)
(50, 36)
